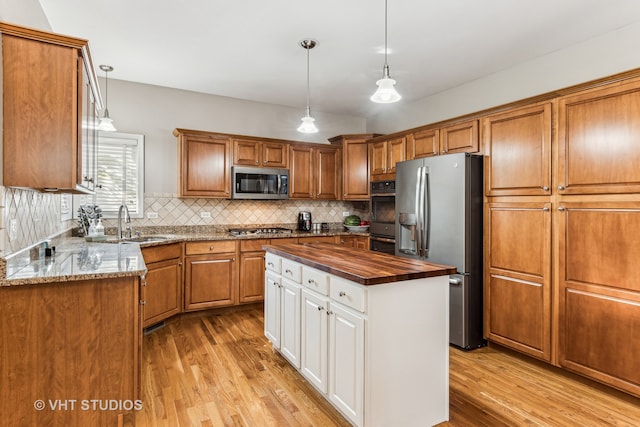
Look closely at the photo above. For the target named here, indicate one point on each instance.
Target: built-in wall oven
(383, 217)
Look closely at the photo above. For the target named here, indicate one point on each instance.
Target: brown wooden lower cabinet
(518, 276)
(211, 274)
(69, 343)
(252, 270)
(358, 242)
(164, 285)
(599, 291)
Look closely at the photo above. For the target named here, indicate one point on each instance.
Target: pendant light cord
(308, 104)
(385, 34)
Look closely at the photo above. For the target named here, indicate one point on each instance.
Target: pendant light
(106, 123)
(386, 93)
(307, 125)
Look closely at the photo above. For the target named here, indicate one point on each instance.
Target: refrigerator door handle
(418, 210)
(455, 281)
(426, 212)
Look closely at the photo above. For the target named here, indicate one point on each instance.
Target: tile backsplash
(28, 217)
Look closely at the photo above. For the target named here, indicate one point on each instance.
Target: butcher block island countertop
(359, 265)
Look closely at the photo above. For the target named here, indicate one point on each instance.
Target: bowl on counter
(357, 228)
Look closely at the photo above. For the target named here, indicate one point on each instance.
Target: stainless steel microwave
(259, 183)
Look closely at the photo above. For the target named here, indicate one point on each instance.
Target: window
(120, 173)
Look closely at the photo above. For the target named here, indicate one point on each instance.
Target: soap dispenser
(99, 228)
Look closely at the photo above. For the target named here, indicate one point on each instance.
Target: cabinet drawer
(348, 293)
(253, 245)
(161, 253)
(292, 270)
(316, 280)
(210, 247)
(273, 262)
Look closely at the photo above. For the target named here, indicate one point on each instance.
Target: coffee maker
(304, 221)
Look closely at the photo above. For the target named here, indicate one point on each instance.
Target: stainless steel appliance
(269, 231)
(382, 230)
(259, 183)
(439, 219)
(304, 221)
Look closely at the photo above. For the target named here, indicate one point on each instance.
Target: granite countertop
(358, 265)
(77, 259)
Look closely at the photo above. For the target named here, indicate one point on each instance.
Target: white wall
(601, 56)
(27, 13)
(156, 111)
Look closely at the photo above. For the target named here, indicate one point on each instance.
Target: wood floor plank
(218, 369)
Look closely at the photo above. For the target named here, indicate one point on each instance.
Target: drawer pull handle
(342, 293)
(270, 264)
(311, 281)
(320, 308)
(288, 271)
(143, 302)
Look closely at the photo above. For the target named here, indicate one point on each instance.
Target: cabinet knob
(545, 209)
(560, 208)
(270, 264)
(211, 247)
(329, 312)
(444, 152)
(342, 293)
(320, 308)
(311, 281)
(287, 271)
(545, 188)
(143, 302)
(560, 187)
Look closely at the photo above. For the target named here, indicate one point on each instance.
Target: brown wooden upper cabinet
(383, 156)
(205, 164)
(51, 101)
(456, 138)
(260, 153)
(314, 172)
(599, 141)
(517, 147)
(459, 138)
(355, 165)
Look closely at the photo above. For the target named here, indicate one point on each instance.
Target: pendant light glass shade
(307, 125)
(386, 92)
(106, 123)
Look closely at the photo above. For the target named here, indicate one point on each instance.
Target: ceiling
(249, 49)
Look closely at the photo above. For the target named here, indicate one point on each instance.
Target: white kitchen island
(369, 331)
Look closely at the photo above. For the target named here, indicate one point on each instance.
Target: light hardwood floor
(218, 369)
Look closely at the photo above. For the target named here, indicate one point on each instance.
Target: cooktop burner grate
(254, 231)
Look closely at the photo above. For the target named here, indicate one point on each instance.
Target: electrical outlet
(152, 215)
(205, 214)
(345, 213)
(13, 229)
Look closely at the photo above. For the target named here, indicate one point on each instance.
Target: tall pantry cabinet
(562, 231)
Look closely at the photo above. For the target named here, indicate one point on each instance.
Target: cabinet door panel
(599, 335)
(301, 173)
(246, 152)
(600, 243)
(598, 134)
(355, 170)
(163, 294)
(518, 277)
(396, 152)
(346, 362)
(210, 281)
(205, 167)
(327, 173)
(272, 308)
(313, 363)
(518, 152)
(275, 155)
(458, 138)
(290, 322)
(378, 158)
(251, 277)
(423, 144)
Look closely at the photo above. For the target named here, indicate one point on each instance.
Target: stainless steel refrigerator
(439, 219)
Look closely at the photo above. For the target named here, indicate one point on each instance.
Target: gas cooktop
(256, 231)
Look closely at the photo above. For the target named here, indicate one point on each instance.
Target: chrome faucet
(127, 220)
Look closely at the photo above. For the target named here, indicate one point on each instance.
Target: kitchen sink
(142, 239)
